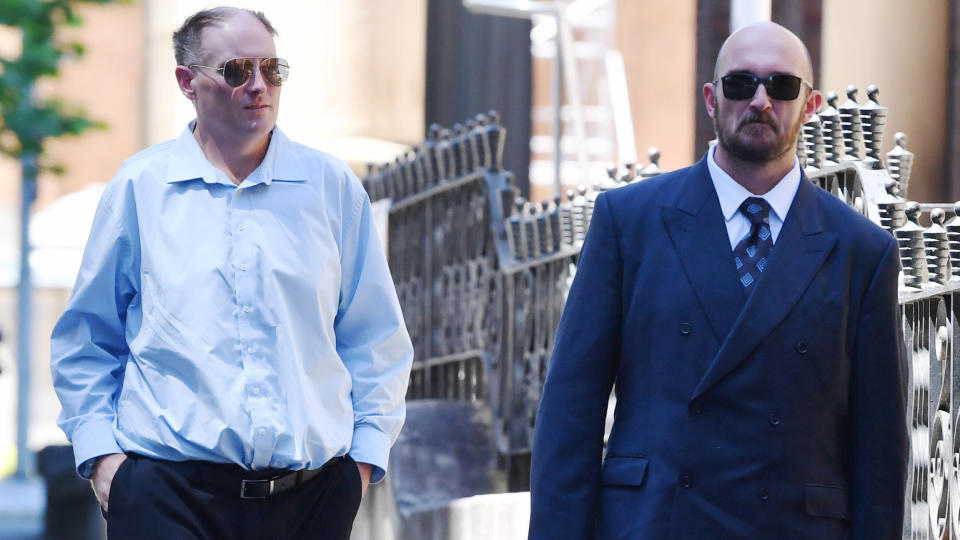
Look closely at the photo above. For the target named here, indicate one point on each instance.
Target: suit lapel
(696, 228)
(798, 254)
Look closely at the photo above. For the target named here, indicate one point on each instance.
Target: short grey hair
(188, 39)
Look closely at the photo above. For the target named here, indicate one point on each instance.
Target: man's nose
(760, 99)
(257, 82)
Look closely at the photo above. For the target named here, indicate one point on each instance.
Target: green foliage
(26, 121)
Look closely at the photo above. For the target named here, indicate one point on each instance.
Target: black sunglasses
(739, 86)
(237, 71)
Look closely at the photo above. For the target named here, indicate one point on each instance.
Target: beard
(747, 142)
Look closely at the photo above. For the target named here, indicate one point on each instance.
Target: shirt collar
(732, 194)
(280, 164)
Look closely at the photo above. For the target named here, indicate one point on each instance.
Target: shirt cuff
(91, 440)
(372, 446)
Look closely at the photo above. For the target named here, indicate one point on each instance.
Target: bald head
(762, 48)
(756, 131)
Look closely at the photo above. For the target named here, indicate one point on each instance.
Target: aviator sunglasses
(237, 71)
(740, 86)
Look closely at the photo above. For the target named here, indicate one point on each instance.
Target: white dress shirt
(732, 195)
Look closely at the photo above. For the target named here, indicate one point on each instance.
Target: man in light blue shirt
(233, 344)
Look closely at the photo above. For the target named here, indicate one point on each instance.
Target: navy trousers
(193, 500)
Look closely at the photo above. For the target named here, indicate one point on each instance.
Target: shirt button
(801, 347)
(256, 390)
(241, 227)
(263, 431)
(243, 267)
(685, 481)
(250, 350)
(246, 309)
(685, 328)
(774, 419)
(763, 494)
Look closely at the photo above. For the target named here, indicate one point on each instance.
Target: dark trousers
(159, 500)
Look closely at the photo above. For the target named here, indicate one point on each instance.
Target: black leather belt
(261, 489)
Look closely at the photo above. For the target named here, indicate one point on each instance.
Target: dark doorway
(476, 63)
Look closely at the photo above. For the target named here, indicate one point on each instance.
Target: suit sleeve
(568, 437)
(372, 340)
(879, 445)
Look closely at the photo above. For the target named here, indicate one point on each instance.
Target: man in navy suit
(749, 323)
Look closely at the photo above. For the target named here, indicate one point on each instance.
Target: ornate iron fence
(481, 287)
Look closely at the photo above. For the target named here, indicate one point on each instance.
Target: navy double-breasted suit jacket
(778, 416)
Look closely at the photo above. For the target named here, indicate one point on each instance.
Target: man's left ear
(814, 100)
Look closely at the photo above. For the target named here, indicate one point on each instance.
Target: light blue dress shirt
(255, 324)
(732, 194)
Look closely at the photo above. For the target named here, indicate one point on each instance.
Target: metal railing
(481, 290)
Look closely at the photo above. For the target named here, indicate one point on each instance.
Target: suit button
(763, 494)
(696, 407)
(685, 328)
(801, 347)
(685, 481)
(774, 419)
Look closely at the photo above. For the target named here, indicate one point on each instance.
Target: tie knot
(756, 209)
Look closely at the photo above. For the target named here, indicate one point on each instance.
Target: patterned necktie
(753, 251)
